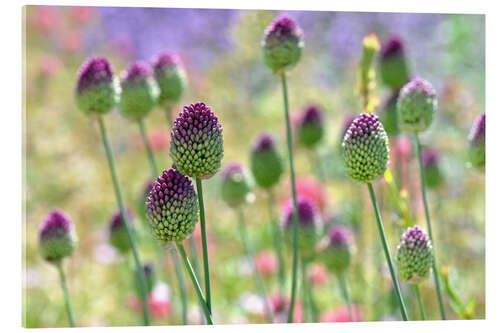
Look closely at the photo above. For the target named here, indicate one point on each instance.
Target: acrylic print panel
(188, 166)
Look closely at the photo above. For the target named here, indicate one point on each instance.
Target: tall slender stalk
(309, 293)
(419, 299)
(295, 239)
(429, 227)
(126, 223)
(276, 234)
(196, 285)
(345, 294)
(305, 299)
(64, 287)
(206, 270)
(387, 253)
(196, 265)
(251, 255)
(177, 263)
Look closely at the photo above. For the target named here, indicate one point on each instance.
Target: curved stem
(182, 287)
(66, 293)
(196, 263)
(196, 285)
(251, 255)
(387, 253)
(419, 299)
(206, 270)
(295, 240)
(151, 158)
(126, 223)
(276, 234)
(345, 294)
(429, 227)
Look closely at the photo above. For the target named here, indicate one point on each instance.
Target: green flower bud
(416, 106)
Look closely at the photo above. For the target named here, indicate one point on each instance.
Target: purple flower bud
(172, 207)
(416, 105)
(393, 66)
(236, 185)
(282, 44)
(266, 161)
(149, 274)
(118, 236)
(57, 236)
(414, 255)
(430, 161)
(310, 127)
(97, 90)
(337, 248)
(170, 75)
(196, 144)
(477, 141)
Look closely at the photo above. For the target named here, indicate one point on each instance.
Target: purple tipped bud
(417, 104)
(282, 44)
(336, 248)
(430, 161)
(477, 141)
(266, 161)
(236, 185)
(172, 207)
(196, 144)
(365, 148)
(118, 236)
(310, 127)
(149, 274)
(97, 90)
(170, 75)
(57, 236)
(393, 66)
(414, 255)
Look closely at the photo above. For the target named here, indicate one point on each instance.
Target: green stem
(276, 234)
(309, 292)
(196, 285)
(151, 158)
(66, 293)
(196, 263)
(182, 287)
(419, 299)
(387, 253)
(251, 255)
(295, 239)
(305, 300)
(429, 227)
(206, 270)
(345, 294)
(126, 223)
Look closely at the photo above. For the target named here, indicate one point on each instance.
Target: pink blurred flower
(266, 263)
(403, 147)
(71, 41)
(82, 14)
(197, 237)
(279, 307)
(341, 314)
(309, 187)
(158, 302)
(318, 274)
(49, 66)
(158, 138)
(46, 17)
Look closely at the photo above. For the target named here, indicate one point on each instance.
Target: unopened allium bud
(388, 114)
(336, 248)
(97, 89)
(310, 127)
(430, 161)
(172, 207)
(266, 161)
(149, 274)
(118, 236)
(57, 237)
(139, 91)
(196, 144)
(308, 222)
(417, 103)
(171, 77)
(393, 66)
(282, 44)
(414, 255)
(365, 148)
(236, 185)
(477, 141)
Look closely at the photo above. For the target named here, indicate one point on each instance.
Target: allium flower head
(365, 148)
(266, 162)
(430, 161)
(308, 222)
(477, 141)
(139, 91)
(172, 207)
(282, 44)
(196, 144)
(310, 127)
(56, 236)
(417, 103)
(393, 67)
(414, 255)
(149, 274)
(336, 248)
(170, 75)
(97, 89)
(118, 236)
(236, 185)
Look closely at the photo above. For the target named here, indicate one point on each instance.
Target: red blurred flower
(309, 187)
(159, 307)
(340, 314)
(266, 263)
(318, 274)
(279, 307)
